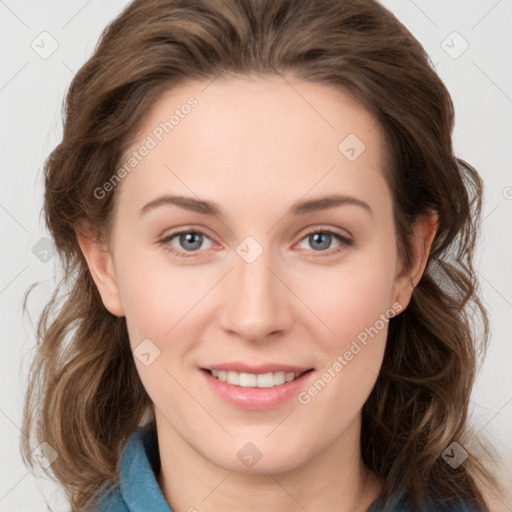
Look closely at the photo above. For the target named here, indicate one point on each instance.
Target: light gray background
(32, 89)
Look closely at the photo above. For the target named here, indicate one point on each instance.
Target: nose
(255, 300)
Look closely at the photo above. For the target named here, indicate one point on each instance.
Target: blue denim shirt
(138, 489)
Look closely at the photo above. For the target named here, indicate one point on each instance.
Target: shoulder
(399, 503)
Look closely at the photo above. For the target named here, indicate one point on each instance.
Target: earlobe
(406, 280)
(101, 266)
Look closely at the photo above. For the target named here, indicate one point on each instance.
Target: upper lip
(240, 367)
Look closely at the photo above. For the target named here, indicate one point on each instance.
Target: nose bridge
(255, 302)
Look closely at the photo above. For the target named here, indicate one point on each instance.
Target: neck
(336, 475)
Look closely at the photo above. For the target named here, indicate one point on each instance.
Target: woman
(312, 349)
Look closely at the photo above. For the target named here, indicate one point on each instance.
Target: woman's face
(277, 279)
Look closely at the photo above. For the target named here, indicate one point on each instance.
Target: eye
(190, 240)
(320, 239)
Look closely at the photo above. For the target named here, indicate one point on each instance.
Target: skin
(256, 146)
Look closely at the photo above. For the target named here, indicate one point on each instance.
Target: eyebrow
(213, 209)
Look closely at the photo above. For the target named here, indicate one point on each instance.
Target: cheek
(353, 303)
(155, 292)
(356, 310)
(352, 296)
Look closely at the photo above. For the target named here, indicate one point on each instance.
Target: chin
(252, 458)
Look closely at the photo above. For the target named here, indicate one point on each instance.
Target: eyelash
(345, 242)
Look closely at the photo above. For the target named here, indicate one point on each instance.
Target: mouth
(256, 387)
(256, 380)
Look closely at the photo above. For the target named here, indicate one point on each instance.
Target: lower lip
(257, 399)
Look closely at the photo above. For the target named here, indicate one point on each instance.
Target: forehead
(256, 139)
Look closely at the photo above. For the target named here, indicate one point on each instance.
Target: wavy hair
(84, 396)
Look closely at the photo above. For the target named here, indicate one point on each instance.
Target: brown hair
(85, 397)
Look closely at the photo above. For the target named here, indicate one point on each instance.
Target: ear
(101, 265)
(406, 280)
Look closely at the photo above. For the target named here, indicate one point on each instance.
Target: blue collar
(140, 463)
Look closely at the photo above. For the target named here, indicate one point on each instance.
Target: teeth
(251, 380)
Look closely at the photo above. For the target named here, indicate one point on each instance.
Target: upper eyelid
(323, 229)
